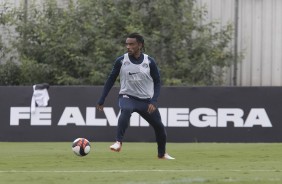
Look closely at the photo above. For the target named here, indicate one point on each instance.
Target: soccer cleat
(116, 146)
(166, 157)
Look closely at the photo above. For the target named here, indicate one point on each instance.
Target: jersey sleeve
(111, 80)
(155, 74)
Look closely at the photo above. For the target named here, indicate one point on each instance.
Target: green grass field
(137, 163)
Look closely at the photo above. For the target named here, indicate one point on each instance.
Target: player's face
(133, 47)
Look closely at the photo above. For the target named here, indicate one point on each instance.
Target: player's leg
(126, 105)
(154, 119)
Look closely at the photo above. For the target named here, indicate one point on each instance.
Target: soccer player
(139, 90)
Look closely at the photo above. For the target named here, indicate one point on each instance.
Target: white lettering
(203, 117)
(178, 117)
(134, 120)
(143, 122)
(111, 116)
(41, 116)
(171, 117)
(258, 117)
(71, 115)
(91, 119)
(163, 112)
(230, 115)
(18, 113)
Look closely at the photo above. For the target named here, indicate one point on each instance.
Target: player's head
(135, 43)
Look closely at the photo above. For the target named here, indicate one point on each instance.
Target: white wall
(259, 38)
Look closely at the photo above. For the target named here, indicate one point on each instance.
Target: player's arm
(155, 74)
(109, 83)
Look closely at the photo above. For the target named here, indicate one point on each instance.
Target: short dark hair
(139, 38)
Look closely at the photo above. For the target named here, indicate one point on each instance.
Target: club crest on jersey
(145, 65)
(126, 63)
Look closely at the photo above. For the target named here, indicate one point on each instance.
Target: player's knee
(126, 111)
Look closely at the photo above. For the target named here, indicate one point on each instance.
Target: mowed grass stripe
(128, 171)
(207, 163)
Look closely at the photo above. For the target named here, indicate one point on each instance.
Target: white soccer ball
(81, 146)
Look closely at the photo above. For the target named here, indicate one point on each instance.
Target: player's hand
(99, 107)
(151, 108)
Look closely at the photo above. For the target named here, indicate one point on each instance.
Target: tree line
(77, 44)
